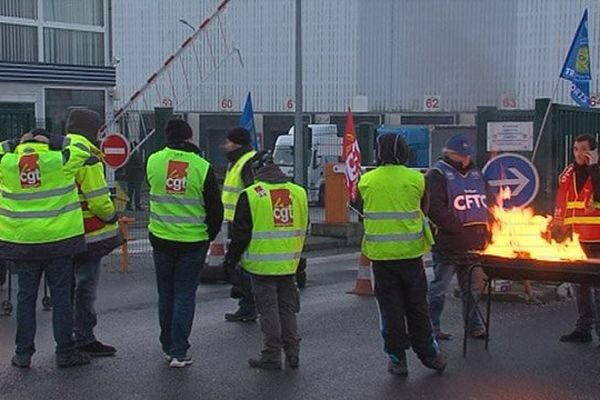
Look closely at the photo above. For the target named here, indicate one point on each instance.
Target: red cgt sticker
(282, 208)
(176, 177)
(29, 171)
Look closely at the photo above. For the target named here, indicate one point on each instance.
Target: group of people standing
(56, 216)
(397, 204)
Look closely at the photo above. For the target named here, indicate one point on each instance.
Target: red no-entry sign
(115, 148)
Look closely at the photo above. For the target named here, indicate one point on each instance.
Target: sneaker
(292, 362)
(478, 333)
(72, 359)
(439, 335)
(264, 364)
(97, 349)
(180, 362)
(240, 317)
(21, 360)
(397, 364)
(398, 367)
(437, 363)
(577, 337)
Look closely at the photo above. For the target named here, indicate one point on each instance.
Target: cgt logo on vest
(468, 201)
(29, 171)
(176, 177)
(282, 208)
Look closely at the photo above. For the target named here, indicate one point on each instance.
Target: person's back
(269, 229)
(394, 221)
(41, 229)
(185, 214)
(40, 217)
(395, 239)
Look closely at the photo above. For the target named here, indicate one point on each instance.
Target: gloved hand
(559, 232)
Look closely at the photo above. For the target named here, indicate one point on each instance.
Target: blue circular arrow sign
(515, 172)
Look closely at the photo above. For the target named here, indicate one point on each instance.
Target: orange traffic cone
(363, 286)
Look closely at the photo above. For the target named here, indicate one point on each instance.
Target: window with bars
(19, 8)
(18, 43)
(85, 12)
(63, 46)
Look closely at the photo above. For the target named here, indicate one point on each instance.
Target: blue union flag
(576, 68)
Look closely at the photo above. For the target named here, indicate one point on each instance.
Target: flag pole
(541, 131)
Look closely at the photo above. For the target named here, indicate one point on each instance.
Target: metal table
(523, 269)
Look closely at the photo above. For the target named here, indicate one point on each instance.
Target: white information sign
(510, 136)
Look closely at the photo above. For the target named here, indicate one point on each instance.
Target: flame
(520, 233)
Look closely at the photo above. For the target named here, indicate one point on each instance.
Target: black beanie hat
(239, 136)
(178, 131)
(85, 122)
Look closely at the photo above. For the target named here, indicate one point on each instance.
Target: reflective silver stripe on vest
(176, 200)
(176, 220)
(272, 257)
(399, 237)
(90, 238)
(39, 195)
(232, 189)
(96, 193)
(80, 146)
(228, 206)
(40, 214)
(276, 234)
(392, 215)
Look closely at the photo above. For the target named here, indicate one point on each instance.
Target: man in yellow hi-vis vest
(185, 215)
(239, 176)
(268, 233)
(101, 230)
(395, 239)
(41, 229)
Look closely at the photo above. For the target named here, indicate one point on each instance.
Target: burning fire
(519, 233)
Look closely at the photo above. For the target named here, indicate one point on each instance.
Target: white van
(326, 148)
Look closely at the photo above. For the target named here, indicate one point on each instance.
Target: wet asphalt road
(341, 356)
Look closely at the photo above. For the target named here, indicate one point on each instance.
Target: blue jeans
(177, 278)
(87, 274)
(59, 273)
(439, 287)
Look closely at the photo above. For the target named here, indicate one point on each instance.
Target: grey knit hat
(85, 122)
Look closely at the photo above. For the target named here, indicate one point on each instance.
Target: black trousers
(401, 292)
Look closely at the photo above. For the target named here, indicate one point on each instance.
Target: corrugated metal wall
(395, 52)
(457, 49)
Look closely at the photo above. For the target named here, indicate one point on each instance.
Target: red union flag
(351, 156)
